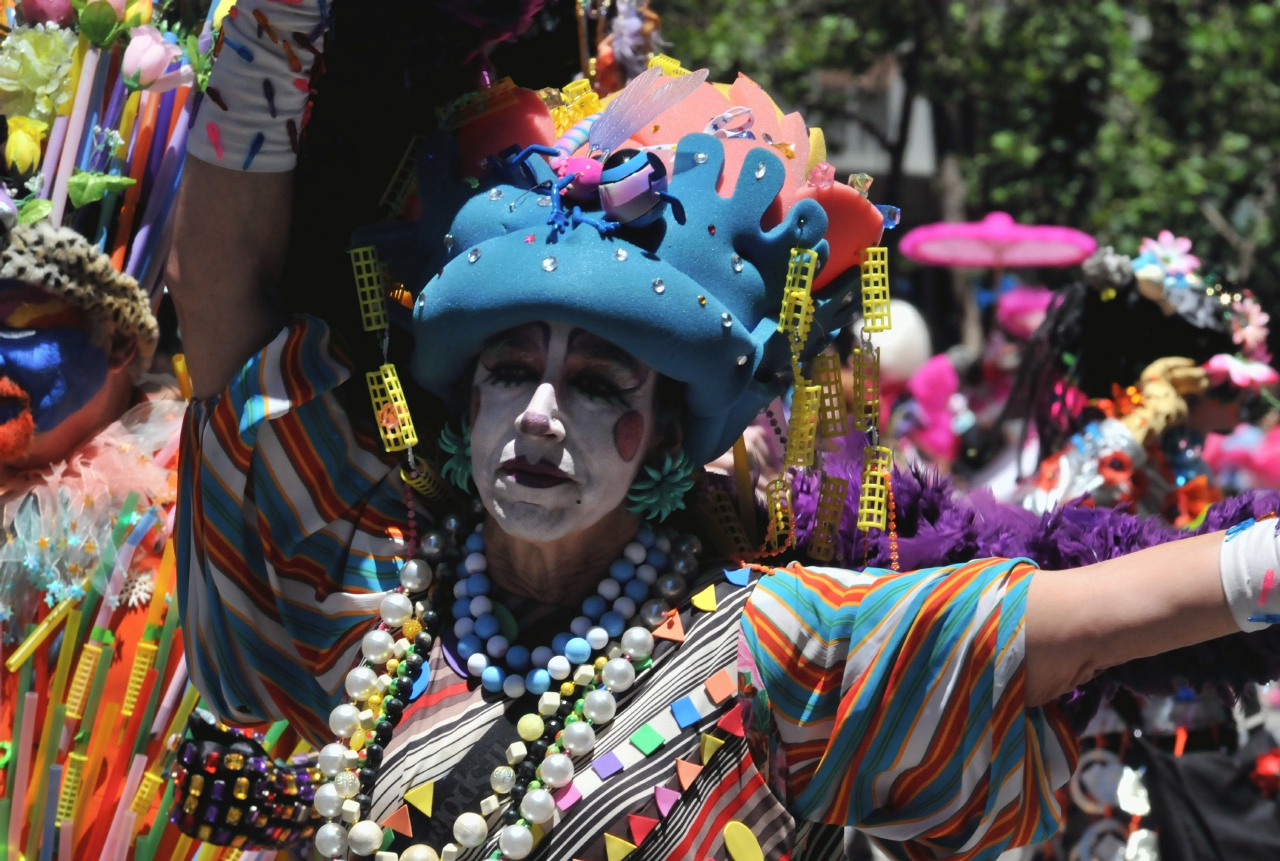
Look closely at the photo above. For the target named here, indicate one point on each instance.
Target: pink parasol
(996, 242)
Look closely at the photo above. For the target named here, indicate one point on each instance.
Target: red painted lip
(530, 474)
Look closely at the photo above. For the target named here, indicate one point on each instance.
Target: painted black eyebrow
(599, 348)
(521, 337)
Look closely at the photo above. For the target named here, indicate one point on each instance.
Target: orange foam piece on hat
(671, 629)
(399, 821)
(523, 122)
(687, 772)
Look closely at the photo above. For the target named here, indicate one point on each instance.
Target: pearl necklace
(563, 724)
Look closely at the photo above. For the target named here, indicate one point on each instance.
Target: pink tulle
(932, 387)
(118, 460)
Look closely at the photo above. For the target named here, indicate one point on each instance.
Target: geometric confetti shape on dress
(721, 686)
(685, 712)
(706, 599)
(616, 848)
(640, 827)
(741, 843)
(732, 722)
(708, 745)
(687, 772)
(421, 797)
(666, 799)
(399, 821)
(671, 628)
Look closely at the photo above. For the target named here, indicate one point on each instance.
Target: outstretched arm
(233, 212)
(1080, 622)
(230, 234)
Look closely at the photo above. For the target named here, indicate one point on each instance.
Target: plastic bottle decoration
(403, 181)
(831, 496)
(833, 412)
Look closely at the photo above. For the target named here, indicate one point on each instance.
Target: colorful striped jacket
(891, 703)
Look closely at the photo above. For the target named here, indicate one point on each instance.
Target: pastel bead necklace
(598, 658)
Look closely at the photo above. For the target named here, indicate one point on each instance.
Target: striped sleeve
(898, 703)
(289, 531)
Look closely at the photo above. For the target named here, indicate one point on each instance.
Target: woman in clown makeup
(562, 655)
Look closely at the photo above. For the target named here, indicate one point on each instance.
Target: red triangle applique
(732, 721)
(640, 827)
(399, 821)
(687, 772)
(671, 629)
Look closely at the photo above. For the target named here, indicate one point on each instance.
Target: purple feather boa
(937, 526)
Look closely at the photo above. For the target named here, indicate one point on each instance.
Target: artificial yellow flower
(23, 148)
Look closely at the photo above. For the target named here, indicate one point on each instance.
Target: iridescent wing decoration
(641, 102)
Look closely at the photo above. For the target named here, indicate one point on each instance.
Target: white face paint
(561, 420)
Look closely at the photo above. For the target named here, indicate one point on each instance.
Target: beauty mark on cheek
(627, 434)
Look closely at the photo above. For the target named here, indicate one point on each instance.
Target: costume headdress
(695, 289)
(64, 263)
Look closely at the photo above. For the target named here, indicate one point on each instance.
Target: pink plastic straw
(52, 153)
(23, 775)
(75, 131)
(126, 831)
(176, 686)
(109, 848)
(66, 841)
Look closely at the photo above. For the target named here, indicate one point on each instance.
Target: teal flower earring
(457, 469)
(657, 492)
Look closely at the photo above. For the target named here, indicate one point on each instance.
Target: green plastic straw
(273, 735)
(95, 696)
(24, 685)
(98, 585)
(146, 847)
(153, 700)
(4, 829)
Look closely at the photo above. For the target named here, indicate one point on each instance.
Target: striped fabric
(888, 702)
(289, 533)
(898, 702)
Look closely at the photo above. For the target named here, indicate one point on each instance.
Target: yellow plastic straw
(39, 635)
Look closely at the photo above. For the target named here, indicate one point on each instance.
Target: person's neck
(60, 443)
(564, 571)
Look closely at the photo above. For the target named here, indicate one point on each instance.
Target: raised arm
(233, 210)
(1080, 622)
(230, 235)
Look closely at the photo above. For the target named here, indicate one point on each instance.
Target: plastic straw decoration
(66, 841)
(24, 685)
(146, 847)
(94, 764)
(137, 168)
(162, 197)
(75, 133)
(39, 801)
(53, 779)
(4, 829)
(31, 703)
(39, 635)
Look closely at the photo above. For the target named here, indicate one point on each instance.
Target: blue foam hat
(698, 300)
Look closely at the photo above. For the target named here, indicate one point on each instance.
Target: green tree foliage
(1121, 118)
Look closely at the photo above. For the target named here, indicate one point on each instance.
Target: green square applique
(647, 739)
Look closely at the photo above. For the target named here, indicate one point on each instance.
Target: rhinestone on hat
(550, 264)
(760, 170)
(620, 255)
(699, 158)
(735, 263)
(659, 286)
(473, 255)
(495, 194)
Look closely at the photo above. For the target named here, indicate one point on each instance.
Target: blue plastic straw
(51, 813)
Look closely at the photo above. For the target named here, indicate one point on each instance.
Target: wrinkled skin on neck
(560, 423)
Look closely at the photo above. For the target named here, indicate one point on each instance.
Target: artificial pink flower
(1172, 252)
(118, 5)
(1242, 373)
(1249, 329)
(58, 12)
(147, 57)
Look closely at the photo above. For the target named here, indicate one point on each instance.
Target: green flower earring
(657, 492)
(457, 469)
